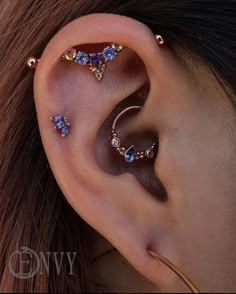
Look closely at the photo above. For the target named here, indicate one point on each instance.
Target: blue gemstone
(82, 58)
(57, 118)
(109, 53)
(130, 154)
(65, 130)
(95, 59)
(60, 125)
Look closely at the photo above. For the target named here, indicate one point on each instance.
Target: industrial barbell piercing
(97, 62)
(130, 154)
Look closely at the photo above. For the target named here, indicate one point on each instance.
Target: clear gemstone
(82, 58)
(115, 142)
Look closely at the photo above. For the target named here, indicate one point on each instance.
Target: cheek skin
(196, 166)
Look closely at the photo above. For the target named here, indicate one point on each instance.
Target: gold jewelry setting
(96, 62)
(130, 154)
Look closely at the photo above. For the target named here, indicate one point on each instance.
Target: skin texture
(195, 226)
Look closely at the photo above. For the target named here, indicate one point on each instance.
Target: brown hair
(33, 211)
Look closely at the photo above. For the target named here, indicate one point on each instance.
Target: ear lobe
(116, 206)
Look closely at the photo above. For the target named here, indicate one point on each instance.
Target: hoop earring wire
(165, 261)
(175, 269)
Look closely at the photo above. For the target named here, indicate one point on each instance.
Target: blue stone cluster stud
(61, 124)
(96, 61)
(130, 154)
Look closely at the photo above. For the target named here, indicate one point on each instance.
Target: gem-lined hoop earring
(130, 154)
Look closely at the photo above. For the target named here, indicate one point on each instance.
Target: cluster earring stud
(97, 62)
(61, 124)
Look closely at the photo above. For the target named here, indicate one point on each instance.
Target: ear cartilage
(61, 124)
(130, 154)
(97, 62)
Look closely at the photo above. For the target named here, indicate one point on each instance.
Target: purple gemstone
(95, 59)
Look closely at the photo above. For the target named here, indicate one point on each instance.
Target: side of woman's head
(52, 189)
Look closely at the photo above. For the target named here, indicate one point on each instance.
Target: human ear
(111, 195)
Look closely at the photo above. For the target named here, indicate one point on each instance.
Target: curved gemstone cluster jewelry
(130, 154)
(95, 61)
(61, 124)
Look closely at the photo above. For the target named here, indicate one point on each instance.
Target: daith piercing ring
(130, 154)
